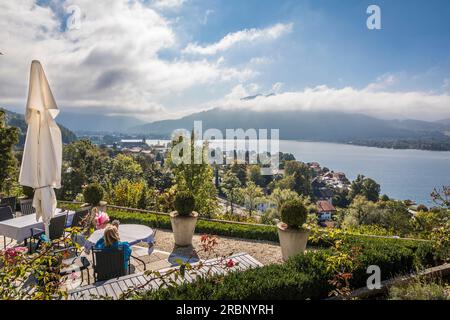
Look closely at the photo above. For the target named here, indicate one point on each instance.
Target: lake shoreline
(402, 173)
(366, 145)
(352, 143)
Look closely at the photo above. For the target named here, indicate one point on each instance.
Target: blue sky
(330, 42)
(160, 59)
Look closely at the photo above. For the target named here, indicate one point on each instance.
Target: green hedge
(255, 232)
(245, 231)
(224, 228)
(302, 277)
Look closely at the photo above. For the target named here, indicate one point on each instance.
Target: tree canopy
(9, 136)
(366, 187)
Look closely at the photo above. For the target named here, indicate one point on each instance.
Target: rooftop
(324, 206)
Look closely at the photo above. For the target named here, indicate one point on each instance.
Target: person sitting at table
(116, 223)
(111, 239)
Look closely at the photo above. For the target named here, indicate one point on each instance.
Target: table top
(29, 219)
(131, 233)
(20, 228)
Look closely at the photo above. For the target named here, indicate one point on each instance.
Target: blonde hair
(116, 224)
(111, 235)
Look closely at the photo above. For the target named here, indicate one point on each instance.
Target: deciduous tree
(9, 136)
(231, 187)
(252, 194)
(196, 175)
(366, 187)
(125, 167)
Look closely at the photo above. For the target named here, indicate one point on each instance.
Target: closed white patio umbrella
(42, 156)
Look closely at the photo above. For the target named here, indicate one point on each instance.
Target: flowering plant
(101, 220)
(36, 275)
(11, 254)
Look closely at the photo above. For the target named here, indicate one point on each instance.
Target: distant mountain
(420, 125)
(256, 96)
(97, 122)
(314, 126)
(18, 120)
(444, 122)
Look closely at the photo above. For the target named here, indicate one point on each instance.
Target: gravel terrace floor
(264, 251)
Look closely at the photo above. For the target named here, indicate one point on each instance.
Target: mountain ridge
(312, 125)
(18, 120)
(97, 122)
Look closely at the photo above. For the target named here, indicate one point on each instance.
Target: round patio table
(131, 233)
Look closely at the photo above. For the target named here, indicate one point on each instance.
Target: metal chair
(78, 220)
(108, 263)
(5, 214)
(26, 206)
(74, 263)
(9, 201)
(78, 217)
(56, 230)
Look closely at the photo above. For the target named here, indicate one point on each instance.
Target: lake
(402, 174)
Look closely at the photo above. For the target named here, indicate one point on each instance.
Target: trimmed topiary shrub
(422, 207)
(184, 203)
(294, 213)
(93, 194)
(28, 192)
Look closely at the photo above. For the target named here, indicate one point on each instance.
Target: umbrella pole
(46, 224)
(47, 230)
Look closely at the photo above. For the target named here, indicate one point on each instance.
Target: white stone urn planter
(102, 206)
(183, 227)
(292, 240)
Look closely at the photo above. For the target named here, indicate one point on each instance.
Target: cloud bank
(168, 4)
(399, 105)
(114, 62)
(243, 36)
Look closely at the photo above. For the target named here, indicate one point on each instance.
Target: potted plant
(293, 236)
(28, 192)
(93, 194)
(184, 219)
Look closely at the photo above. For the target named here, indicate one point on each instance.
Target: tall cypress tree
(9, 136)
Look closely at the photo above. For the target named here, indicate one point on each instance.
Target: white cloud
(111, 63)
(276, 88)
(260, 60)
(382, 82)
(446, 83)
(243, 36)
(168, 4)
(206, 16)
(383, 104)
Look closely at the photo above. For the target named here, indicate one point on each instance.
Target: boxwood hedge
(161, 221)
(247, 231)
(304, 276)
(220, 228)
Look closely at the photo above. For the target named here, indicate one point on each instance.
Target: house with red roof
(325, 210)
